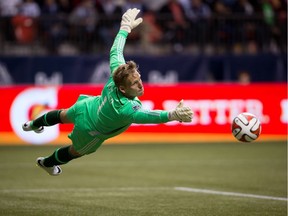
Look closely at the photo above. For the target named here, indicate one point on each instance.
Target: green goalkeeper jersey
(111, 113)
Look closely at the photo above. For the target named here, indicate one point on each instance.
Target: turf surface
(138, 180)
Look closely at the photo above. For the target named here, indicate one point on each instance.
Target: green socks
(48, 119)
(60, 156)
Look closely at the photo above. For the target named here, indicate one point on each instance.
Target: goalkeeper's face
(133, 86)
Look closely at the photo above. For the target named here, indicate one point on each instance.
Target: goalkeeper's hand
(129, 20)
(181, 113)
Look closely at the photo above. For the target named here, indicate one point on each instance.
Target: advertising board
(214, 106)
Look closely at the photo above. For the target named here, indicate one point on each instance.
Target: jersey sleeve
(116, 52)
(150, 116)
(132, 112)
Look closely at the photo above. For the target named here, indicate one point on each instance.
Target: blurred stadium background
(222, 57)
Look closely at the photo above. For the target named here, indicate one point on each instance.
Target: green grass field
(150, 180)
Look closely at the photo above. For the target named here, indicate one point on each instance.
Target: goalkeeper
(97, 118)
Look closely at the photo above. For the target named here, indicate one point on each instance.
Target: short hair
(122, 72)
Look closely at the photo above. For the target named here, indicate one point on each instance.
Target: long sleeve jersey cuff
(123, 32)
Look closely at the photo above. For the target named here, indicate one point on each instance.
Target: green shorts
(83, 135)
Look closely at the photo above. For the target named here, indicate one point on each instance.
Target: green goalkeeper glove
(129, 20)
(181, 113)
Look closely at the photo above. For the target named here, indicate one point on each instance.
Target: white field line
(143, 189)
(223, 193)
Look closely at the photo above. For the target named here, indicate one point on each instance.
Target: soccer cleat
(28, 127)
(54, 171)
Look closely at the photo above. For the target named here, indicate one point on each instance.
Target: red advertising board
(214, 106)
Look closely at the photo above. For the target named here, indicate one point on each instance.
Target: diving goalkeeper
(97, 118)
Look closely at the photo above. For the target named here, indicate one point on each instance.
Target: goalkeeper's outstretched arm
(181, 113)
(128, 22)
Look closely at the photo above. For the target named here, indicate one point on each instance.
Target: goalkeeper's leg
(60, 156)
(48, 119)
